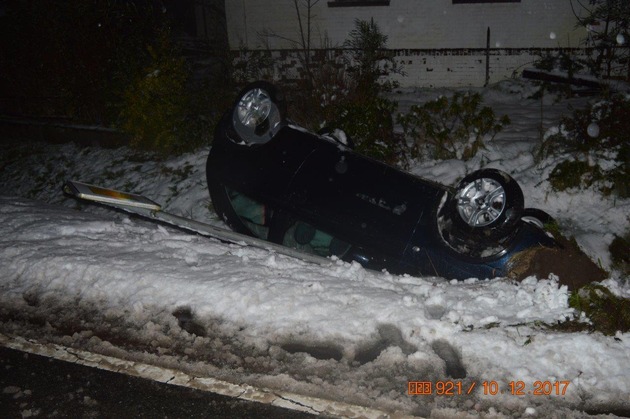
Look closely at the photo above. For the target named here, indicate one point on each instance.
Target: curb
(170, 376)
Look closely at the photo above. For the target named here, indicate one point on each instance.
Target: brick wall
(408, 24)
(440, 43)
(453, 67)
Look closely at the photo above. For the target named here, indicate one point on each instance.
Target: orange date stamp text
(488, 388)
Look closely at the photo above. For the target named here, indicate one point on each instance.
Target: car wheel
(259, 112)
(487, 204)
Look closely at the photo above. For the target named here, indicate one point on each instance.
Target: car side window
(257, 217)
(253, 214)
(305, 237)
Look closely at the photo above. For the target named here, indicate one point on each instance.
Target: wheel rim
(254, 107)
(481, 202)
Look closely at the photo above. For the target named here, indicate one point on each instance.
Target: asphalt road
(36, 386)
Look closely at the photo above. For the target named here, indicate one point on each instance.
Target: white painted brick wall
(425, 68)
(458, 68)
(439, 43)
(423, 24)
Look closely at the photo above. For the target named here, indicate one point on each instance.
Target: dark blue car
(273, 180)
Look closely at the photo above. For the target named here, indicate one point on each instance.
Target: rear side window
(255, 215)
(305, 237)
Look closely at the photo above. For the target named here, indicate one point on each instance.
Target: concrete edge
(312, 405)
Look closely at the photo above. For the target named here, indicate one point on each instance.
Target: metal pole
(487, 56)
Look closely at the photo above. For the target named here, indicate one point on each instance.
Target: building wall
(463, 67)
(453, 67)
(439, 43)
(409, 24)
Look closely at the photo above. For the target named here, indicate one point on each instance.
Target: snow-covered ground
(87, 277)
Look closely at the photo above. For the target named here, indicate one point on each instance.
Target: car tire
(487, 206)
(258, 113)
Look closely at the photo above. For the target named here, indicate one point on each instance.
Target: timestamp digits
(488, 388)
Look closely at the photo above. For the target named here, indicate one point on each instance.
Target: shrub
(607, 312)
(574, 174)
(369, 123)
(154, 107)
(596, 138)
(74, 59)
(608, 24)
(351, 97)
(563, 61)
(105, 62)
(164, 112)
(451, 128)
(368, 62)
(345, 91)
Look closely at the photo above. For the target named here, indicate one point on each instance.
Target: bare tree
(305, 16)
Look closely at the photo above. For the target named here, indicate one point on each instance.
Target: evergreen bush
(354, 101)
(154, 107)
(451, 128)
(108, 63)
(596, 142)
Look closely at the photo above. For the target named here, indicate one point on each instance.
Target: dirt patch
(573, 268)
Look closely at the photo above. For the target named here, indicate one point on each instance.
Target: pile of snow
(122, 286)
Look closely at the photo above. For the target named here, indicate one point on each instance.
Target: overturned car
(279, 182)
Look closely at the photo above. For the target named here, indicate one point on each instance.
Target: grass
(608, 313)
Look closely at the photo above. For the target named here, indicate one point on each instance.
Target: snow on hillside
(91, 278)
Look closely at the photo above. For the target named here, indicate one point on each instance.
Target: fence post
(487, 56)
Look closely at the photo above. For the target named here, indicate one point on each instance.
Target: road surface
(36, 386)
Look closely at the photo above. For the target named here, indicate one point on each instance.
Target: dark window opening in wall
(484, 1)
(357, 3)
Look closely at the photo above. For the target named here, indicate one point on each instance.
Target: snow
(91, 278)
